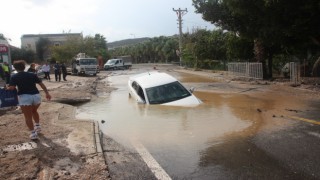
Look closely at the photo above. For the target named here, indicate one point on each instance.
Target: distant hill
(126, 42)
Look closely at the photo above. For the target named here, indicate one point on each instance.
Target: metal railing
(246, 69)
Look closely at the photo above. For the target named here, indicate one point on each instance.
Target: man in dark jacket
(64, 71)
(57, 71)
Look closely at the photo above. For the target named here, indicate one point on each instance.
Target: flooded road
(188, 143)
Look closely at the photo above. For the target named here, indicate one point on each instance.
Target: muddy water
(177, 137)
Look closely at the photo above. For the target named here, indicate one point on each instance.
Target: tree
(238, 48)
(100, 42)
(169, 49)
(42, 48)
(65, 52)
(27, 55)
(2, 37)
(92, 46)
(275, 26)
(157, 49)
(205, 48)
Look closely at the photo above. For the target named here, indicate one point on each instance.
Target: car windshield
(111, 61)
(88, 62)
(167, 93)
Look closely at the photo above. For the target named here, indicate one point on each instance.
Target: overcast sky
(114, 19)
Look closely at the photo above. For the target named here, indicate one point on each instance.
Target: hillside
(126, 42)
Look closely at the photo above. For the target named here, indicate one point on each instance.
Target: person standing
(28, 96)
(32, 68)
(1, 73)
(64, 71)
(57, 71)
(46, 70)
(2, 77)
(6, 72)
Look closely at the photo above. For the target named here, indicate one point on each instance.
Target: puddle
(183, 135)
(173, 135)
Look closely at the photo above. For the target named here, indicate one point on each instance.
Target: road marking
(314, 134)
(151, 162)
(305, 120)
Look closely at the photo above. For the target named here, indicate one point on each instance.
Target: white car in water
(160, 88)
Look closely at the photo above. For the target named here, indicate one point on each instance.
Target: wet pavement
(232, 135)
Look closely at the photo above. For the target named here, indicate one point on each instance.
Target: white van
(118, 63)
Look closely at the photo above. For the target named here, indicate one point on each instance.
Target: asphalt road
(275, 137)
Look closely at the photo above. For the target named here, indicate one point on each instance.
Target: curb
(96, 136)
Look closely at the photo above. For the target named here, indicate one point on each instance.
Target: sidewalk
(67, 148)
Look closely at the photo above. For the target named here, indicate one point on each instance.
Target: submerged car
(160, 88)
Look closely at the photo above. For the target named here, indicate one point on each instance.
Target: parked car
(40, 73)
(160, 88)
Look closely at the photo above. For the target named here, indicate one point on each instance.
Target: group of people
(29, 97)
(58, 69)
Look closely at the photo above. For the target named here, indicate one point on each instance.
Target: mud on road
(66, 148)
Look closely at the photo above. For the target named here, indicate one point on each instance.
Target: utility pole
(180, 13)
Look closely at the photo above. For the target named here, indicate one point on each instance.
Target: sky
(114, 19)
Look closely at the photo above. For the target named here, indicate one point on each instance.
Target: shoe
(37, 128)
(34, 135)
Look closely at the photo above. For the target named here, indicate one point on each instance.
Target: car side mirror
(191, 89)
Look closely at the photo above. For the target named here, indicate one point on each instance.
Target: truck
(121, 62)
(84, 65)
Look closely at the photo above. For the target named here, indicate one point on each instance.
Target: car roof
(152, 79)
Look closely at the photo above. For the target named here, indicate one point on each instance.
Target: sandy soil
(66, 148)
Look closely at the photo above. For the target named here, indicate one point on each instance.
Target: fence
(247, 70)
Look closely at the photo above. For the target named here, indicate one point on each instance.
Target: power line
(180, 13)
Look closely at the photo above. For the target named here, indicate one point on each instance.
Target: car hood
(190, 101)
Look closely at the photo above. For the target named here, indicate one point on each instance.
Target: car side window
(140, 93)
(138, 90)
(135, 86)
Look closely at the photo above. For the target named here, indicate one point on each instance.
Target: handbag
(8, 98)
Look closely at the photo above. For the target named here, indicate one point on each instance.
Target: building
(29, 41)
(5, 55)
